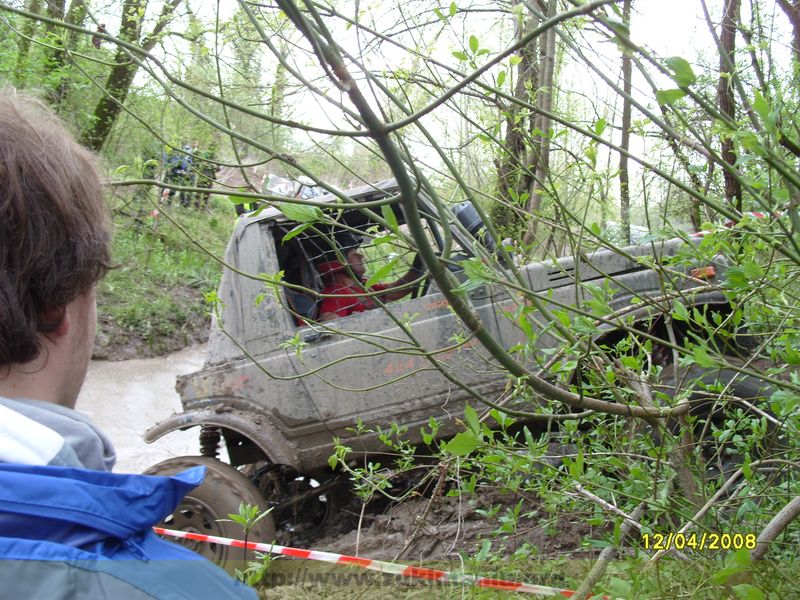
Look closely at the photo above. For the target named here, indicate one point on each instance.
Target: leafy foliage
(516, 112)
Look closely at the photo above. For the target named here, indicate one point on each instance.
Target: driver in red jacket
(344, 284)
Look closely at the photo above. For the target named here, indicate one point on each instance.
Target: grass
(703, 577)
(153, 301)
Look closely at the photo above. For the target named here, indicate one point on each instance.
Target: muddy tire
(303, 522)
(205, 509)
(745, 396)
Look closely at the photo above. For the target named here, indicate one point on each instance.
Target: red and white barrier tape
(376, 565)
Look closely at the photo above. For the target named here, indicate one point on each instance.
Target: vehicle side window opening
(298, 269)
(303, 259)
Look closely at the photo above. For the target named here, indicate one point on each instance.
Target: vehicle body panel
(301, 386)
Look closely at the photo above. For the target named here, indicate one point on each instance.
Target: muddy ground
(116, 343)
(442, 529)
(446, 533)
(127, 397)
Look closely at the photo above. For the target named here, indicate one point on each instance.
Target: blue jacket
(75, 533)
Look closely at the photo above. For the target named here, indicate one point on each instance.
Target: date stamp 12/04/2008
(698, 541)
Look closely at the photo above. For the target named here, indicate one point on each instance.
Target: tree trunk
(122, 74)
(277, 107)
(77, 16)
(538, 162)
(625, 143)
(511, 174)
(56, 9)
(24, 43)
(58, 59)
(727, 105)
(792, 10)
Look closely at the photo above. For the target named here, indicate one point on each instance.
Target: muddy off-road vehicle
(278, 387)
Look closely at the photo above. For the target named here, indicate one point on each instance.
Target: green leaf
(473, 44)
(460, 56)
(439, 14)
(515, 60)
(619, 26)
(751, 142)
(240, 199)
(583, 324)
(620, 588)
(390, 217)
(483, 553)
(591, 152)
(736, 278)
(702, 358)
(599, 301)
(600, 126)
(575, 467)
(736, 563)
(747, 591)
(382, 273)
(747, 470)
(752, 270)
(238, 519)
(472, 419)
(501, 78)
(762, 107)
(679, 311)
(476, 272)
(462, 444)
(296, 231)
(784, 402)
(300, 212)
(669, 97)
(681, 71)
(529, 441)
(383, 239)
(453, 9)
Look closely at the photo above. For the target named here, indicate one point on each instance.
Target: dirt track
(125, 398)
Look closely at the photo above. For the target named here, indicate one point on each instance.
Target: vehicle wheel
(300, 514)
(743, 400)
(205, 509)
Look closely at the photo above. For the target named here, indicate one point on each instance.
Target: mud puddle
(125, 398)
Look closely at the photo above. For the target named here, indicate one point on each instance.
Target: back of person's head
(54, 228)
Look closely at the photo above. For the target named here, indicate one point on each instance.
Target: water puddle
(125, 398)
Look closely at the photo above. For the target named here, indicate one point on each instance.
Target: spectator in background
(178, 171)
(68, 526)
(207, 168)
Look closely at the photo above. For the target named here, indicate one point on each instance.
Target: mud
(446, 533)
(425, 529)
(125, 398)
(116, 343)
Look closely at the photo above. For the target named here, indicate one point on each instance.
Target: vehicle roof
(364, 193)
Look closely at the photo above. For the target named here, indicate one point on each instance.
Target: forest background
(564, 122)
